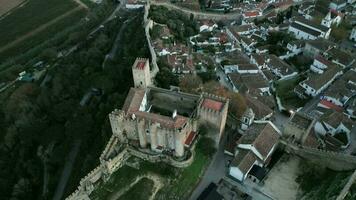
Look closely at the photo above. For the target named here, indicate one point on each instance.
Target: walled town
(187, 99)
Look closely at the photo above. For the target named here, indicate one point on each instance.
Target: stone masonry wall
(333, 160)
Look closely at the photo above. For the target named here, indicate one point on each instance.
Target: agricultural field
(7, 5)
(33, 18)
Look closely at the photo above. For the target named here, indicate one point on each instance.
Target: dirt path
(44, 26)
(157, 184)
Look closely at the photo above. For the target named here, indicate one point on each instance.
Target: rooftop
(263, 136)
(301, 120)
(212, 104)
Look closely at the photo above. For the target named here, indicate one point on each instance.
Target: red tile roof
(190, 138)
(323, 60)
(251, 13)
(140, 65)
(330, 105)
(212, 104)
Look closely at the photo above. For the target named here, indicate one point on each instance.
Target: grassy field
(7, 5)
(43, 35)
(136, 191)
(178, 183)
(32, 15)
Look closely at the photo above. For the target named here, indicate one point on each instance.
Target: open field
(35, 22)
(7, 5)
(32, 15)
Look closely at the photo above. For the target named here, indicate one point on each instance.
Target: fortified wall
(148, 24)
(333, 160)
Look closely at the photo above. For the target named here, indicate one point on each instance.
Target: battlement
(140, 64)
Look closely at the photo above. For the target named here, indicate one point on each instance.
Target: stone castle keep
(164, 120)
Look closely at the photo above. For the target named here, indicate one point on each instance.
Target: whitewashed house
(320, 64)
(296, 47)
(342, 90)
(305, 29)
(254, 148)
(280, 68)
(333, 123)
(317, 83)
(207, 25)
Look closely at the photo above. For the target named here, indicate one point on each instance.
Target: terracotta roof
(323, 60)
(141, 65)
(311, 140)
(212, 104)
(251, 13)
(260, 59)
(132, 106)
(251, 81)
(316, 81)
(133, 100)
(343, 87)
(276, 63)
(190, 138)
(260, 109)
(262, 136)
(334, 119)
(330, 105)
(244, 160)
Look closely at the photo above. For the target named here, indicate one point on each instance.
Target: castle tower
(141, 73)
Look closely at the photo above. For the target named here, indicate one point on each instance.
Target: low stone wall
(333, 160)
(103, 171)
(161, 158)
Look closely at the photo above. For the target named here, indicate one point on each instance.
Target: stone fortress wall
(333, 160)
(148, 24)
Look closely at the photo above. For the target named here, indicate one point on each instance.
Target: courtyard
(140, 179)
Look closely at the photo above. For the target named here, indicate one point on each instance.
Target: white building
(317, 83)
(353, 34)
(254, 148)
(320, 64)
(305, 29)
(207, 25)
(333, 123)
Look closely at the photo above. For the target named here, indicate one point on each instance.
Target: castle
(165, 121)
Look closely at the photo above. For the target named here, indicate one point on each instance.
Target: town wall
(148, 24)
(333, 160)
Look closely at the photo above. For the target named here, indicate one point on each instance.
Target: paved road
(216, 171)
